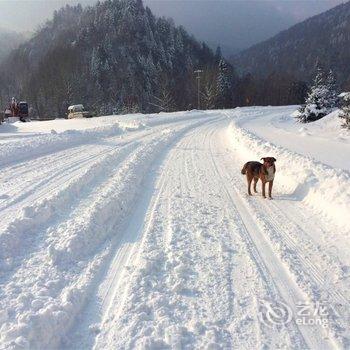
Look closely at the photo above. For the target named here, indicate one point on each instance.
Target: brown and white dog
(265, 172)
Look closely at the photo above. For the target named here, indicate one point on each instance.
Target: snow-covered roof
(345, 95)
(76, 107)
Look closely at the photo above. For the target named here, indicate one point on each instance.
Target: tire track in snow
(71, 293)
(21, 232)
(292, 243)
(41, 144)
(50, 180)
(282, 286)
(27, 181)
(323, 189)
(107, 302)
(118, 284)
(157, 233)
(188, 265)
(306, 243)
(204, 174)
(209, 251)
(23, 238)
(25, 225)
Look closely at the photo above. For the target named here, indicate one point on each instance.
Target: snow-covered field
(136, 231)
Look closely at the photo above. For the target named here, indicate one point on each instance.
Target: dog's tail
(244, 169)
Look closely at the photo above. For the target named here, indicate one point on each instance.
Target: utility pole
(198, 72)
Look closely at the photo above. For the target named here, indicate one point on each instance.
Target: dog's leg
(270, 189)
(255, 182)
(263, 189)
(249, 180)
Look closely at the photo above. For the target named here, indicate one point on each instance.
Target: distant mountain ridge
(323, 39)
(9, 41)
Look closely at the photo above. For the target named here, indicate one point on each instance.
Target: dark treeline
(275, 89)
(117, 57)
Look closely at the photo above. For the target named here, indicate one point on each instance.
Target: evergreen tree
(332, 98)
(345, 109)
(218, 54)
(317, 102)
(223, 86)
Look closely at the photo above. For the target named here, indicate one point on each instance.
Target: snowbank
(324, 140)
(330, 123)
(23, 140)
(30, 147)
(325, 189)
(15, 236)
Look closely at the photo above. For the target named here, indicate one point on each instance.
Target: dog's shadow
(284, 197)
(278, 197)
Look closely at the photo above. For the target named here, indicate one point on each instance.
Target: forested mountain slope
(114, 56)
(323, 39)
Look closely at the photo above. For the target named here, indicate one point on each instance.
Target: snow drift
(69, 233)
(325, 189)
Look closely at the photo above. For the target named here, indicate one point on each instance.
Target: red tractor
(19, 109)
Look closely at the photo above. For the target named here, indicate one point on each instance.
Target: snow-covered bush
(345, 109)
(321, 99)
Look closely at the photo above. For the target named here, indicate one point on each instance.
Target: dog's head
(268, 161)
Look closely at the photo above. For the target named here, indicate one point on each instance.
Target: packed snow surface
(323, 140)
(136, 231)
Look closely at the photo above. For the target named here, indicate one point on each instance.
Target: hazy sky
(27, 15)
(233, 24)
(236, 25)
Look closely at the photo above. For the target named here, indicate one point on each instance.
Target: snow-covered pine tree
(223, 86)
(218, 54)
(345, 109)
(317, 101)
(332, 98)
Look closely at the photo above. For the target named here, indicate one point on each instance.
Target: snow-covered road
(146, 239)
